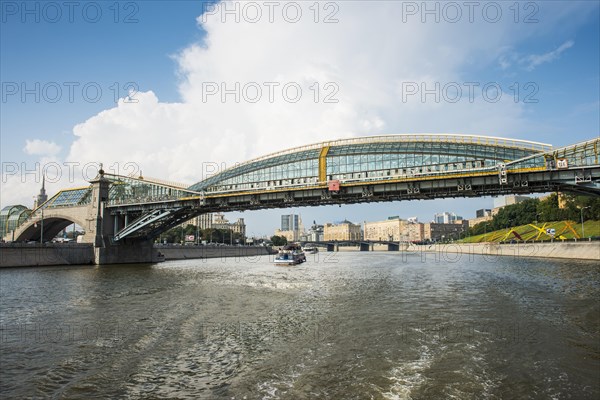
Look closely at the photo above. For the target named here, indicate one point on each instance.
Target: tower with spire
(42, 197)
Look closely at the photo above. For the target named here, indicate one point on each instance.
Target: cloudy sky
(171, 88)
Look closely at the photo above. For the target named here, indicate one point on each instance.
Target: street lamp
(42, 232)
(582, 228)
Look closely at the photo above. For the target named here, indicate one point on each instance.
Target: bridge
(363, 245)
(122, 215)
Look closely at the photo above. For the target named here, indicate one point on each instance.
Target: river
(372, 325)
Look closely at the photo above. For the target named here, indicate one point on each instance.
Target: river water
(341, 326)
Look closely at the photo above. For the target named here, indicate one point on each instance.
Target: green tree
(481, 228)
(516, 214)
(546, 210)
(278, 240)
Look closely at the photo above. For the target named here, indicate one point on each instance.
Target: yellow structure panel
(323, 164)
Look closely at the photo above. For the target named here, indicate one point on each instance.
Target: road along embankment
(191, 252)
(582, 250)
(34, 254)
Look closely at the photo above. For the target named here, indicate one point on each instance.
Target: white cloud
(367, 55)
(535, 60)
(39, 147)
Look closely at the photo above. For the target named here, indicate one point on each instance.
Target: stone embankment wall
(28, 255)
(583, 250)
(185, 252)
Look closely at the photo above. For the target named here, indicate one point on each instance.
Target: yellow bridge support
(323, 164)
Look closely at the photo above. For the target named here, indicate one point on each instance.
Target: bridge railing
(132, 190)
(382, 176)
(141, 199)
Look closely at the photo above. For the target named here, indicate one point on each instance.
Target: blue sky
(169, 52)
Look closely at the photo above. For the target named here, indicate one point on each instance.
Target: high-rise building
(290, 222)
(291, 227)
(42, 197)
(446, 218)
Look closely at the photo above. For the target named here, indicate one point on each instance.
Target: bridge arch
(53, 223)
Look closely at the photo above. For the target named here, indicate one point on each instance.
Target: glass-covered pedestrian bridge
(349, 162)
(379, 158)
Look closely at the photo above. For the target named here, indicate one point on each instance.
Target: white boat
(290, 255)
(310, 249)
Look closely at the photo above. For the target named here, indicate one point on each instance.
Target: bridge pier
(333, 247)
(365, 246)
(126, 253)
(393, 246)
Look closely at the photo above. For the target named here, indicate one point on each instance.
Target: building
(204, 221)
(345, 230)
(443, 232)
(562, 200)
(484, 212)
(392, 229)
(415, 232)
(290, 222)
(220, 222)
(482, 215)
(446, 218)
(291, 227)
(217, 221)
(315, 233)
(509, 200)
(291, 236)
(475, 221)
(42, 197)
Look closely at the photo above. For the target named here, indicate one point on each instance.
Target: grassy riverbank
(527, 232)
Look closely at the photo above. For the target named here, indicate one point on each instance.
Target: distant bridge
(121, 215)
(363, 245)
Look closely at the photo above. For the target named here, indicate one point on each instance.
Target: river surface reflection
(341, 326)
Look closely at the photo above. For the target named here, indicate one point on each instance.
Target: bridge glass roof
(378, 157)
(70, 197)
(580, 155)
(11, 217)
(127, 190)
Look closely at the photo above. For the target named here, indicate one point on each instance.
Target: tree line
(546, 210)
(210, 235)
